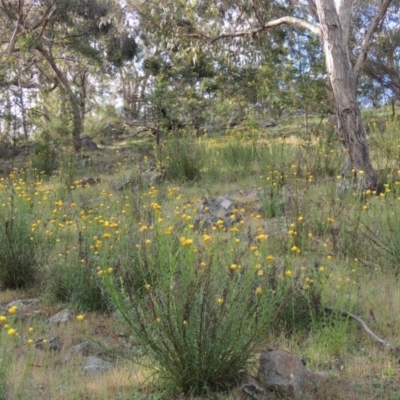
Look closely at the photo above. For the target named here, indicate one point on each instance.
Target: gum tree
(60, 36)
(235, 26)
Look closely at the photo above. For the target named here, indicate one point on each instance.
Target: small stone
(81, 348)
(96, 366)
(286, 373)
(253, 388)
(61, 317)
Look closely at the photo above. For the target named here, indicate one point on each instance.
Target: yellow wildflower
(12, 310)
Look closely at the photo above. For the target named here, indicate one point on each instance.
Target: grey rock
(81, 348)
(96, 366)
(286, 373)
(268, 123)
(61, 317)
(212, 210)
(124, 184)
(23, 304)
(87, 143)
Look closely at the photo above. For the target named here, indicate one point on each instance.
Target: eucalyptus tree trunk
(8, 115)
(335, 25)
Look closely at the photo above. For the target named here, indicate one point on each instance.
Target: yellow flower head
(11, 332)
(12, 310)
(207, 238)
(261, 237)
(80, 317)
(185, 241)
(295, 249)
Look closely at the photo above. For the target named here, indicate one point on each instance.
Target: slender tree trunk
(8, 116)
(76, 112)
(340, 72)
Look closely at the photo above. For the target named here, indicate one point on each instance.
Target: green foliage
(18, 248)
(106, 122)
(4, 364)
(27, 41)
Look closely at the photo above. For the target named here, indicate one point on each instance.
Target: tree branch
(366, 43)
(272, 24)
(15, 33)
(313, 9)
(46, 16)
(383, 342)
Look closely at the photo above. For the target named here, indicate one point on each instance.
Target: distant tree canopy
(195, 61)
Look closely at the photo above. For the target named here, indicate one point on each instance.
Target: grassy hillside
(180, 297)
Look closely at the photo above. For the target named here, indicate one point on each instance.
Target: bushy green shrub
(44, 159)
(199, 314)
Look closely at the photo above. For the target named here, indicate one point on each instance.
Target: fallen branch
(383, 342)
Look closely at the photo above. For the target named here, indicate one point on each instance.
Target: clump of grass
(379, 228)
(237, 153)
(183, 159)
(72, 278)
(18, 247)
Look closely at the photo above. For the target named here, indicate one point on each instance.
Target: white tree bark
(334, 24)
